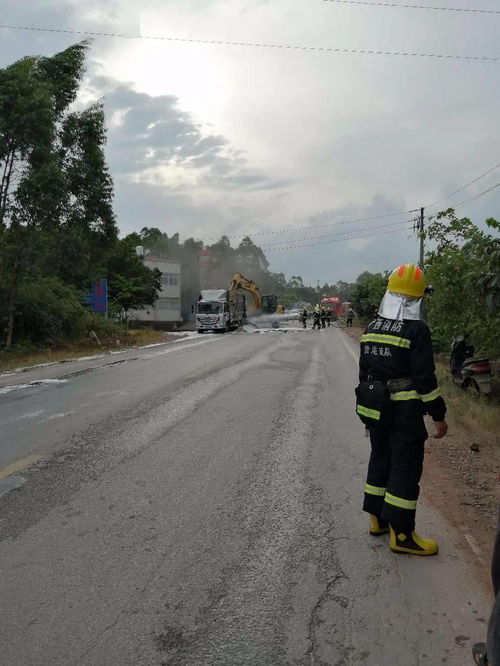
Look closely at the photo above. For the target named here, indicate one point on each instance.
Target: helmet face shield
(400, 306)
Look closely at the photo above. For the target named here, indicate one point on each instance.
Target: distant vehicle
(220, 310)
(334, 304)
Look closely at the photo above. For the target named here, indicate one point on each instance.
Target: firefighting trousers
(396, 461)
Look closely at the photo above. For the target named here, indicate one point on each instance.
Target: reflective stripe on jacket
(392, 349)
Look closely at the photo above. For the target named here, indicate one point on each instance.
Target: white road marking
(176, 349)
(36, 382)
(347, 346)
(30, 415)
(61, 415)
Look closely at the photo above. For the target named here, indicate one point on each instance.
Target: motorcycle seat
(476, 359)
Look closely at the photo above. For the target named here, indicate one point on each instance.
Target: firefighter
(489, 653)
(328, 317)
(396, 354)
(303, 317)
(323, 317)
(350, 317)
(316, 318)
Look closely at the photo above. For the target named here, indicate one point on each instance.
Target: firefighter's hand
(441, 429)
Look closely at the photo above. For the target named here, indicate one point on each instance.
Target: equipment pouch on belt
(372, 397)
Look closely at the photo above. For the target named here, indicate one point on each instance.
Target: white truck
(220, 310)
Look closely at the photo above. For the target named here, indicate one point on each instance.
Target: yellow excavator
(267, 303)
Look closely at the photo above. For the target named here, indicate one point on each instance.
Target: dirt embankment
(461, 471)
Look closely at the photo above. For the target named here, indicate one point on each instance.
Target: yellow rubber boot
(411, 543)
(378, 526)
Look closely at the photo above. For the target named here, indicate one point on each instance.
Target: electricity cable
(341, 233)
(291, 230)
(464, 186)
(405, 6)
(220, 42)
(335, 240)
(467, 202)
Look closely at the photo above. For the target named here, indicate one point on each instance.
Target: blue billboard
(97, 297)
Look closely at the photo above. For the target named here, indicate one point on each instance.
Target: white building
(166, 312)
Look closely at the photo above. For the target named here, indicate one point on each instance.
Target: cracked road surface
(199, 504)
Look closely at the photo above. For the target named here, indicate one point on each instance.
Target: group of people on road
(323, 317)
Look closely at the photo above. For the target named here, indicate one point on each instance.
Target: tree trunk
(5, 184)
(12, 307)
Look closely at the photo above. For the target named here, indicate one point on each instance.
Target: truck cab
(218, 310)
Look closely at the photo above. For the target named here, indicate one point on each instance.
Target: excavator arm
(241, 282)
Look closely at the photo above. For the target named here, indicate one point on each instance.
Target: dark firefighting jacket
(392, 350)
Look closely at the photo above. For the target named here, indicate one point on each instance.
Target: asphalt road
(199, 504)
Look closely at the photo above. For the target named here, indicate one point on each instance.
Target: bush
(48, 311)
(107, 330)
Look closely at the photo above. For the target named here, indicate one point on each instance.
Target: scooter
(467, 370)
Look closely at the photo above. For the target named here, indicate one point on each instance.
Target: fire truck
(334, 304)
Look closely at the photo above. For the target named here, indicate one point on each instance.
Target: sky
(318, 156)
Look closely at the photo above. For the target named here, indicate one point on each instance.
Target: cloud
(152, 139)
(207, 139)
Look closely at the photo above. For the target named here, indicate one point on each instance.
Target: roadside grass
(19, 358)
(478, 416)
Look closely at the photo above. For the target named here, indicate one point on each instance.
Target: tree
(56, 214)
(368, 294)
(464, 269)
(132, 285)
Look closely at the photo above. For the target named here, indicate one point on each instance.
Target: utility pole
(422, 234)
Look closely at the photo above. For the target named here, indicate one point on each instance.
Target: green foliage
(47, 310)
(368, 293)
(56, 217)
(107, 330)
(464, 269)
(132, 285)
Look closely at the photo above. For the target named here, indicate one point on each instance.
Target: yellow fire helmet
(407, 279)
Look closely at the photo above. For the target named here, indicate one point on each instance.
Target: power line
(348, 235)
(476, 197)
(335, 240)
(293, 230)
(464, 186)
(404, 6)
(366, 219)
(290, 47)
(341, 233)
